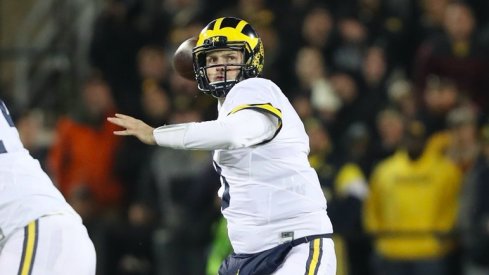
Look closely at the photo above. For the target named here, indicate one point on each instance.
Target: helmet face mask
(227, 34)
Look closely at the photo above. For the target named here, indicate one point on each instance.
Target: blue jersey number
(6, 114)
(9, 120)
(226, 198)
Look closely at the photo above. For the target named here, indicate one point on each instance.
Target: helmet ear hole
(250, 72)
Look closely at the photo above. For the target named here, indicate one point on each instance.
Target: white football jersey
(26, 192)
(9, 137)
(270, 194)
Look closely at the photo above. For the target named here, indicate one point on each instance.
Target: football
(183, 60)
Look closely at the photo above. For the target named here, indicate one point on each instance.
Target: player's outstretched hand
(133, 127)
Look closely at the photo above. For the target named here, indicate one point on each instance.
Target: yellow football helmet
(233, 34)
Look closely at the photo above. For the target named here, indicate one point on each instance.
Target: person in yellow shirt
(412, 207)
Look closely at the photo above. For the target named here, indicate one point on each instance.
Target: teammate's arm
(241, 129)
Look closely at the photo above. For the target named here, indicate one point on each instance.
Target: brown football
(182, 59)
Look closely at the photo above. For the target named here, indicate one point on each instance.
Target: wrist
(152, 140)
(170, 136)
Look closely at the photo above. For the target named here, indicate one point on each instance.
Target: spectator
(401, 96)
(33, 135)
(430, 21)
(390, 130)
(171, 184)
(130, 243)
(440, 96)
(352, 44)
(474, 214)
(152, 64)
(459, 140)
(83, 152)
(82, 164)
(463, 148)
(117, 38)
(321, 155)
(350, 191)
(354, 104)
(155, 108)
(457, 54)
(412, 208)
(373, 82)
(311, 72)
(318, 31)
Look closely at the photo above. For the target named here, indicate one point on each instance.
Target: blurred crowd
(394, 96)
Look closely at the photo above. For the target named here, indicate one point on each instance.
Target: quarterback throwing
(271, 197)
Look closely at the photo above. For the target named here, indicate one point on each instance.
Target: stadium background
(354, 70)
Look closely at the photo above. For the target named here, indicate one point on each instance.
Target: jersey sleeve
(226, 133)
(254, 94)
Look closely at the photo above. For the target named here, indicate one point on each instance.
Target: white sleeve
(241, 129)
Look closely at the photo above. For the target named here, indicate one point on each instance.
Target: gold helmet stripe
(232, 34)
(217, 25)
(241, 25)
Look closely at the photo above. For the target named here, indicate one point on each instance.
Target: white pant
(52, 245)
(313, 258)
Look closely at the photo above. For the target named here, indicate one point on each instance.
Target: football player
(271, 197)
(39, 231)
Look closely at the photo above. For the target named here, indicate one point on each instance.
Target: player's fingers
(126, 122)
(123, 116)
(122, 133)
(112, 119)
(116, 121)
